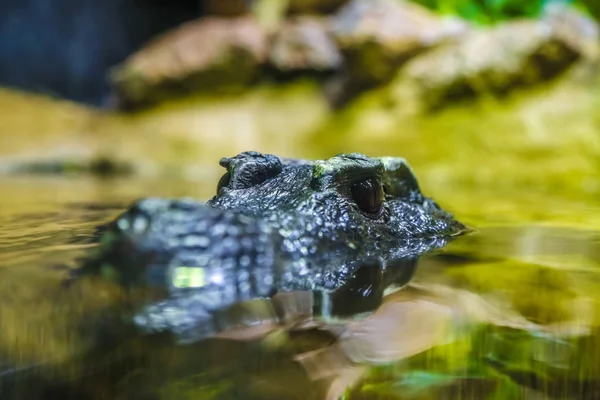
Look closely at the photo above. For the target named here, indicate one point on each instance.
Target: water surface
(509, 311)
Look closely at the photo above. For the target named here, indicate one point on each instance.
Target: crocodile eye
(368, 195)
(224, 181)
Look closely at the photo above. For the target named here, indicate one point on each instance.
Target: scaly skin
(275, 226)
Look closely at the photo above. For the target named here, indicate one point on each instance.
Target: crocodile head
(275, 225)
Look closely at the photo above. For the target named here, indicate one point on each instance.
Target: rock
(209, 54)
(581, 31)
(303, 44)
(583, 34)
(377, 36)
(516, 54)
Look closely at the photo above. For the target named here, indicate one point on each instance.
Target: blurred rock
(210, 54)
(226, 7)
(303, 44)
(513, 55)
(377, 36)
(579, 30)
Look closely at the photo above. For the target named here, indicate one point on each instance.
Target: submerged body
(342, 229)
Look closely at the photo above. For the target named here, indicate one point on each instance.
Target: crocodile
(344, 230)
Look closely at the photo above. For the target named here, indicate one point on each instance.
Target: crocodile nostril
(249, 169)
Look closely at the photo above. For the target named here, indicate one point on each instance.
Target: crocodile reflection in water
(342, 228)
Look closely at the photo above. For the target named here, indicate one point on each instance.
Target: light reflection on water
(510, 311)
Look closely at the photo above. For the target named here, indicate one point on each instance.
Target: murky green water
(508, 312)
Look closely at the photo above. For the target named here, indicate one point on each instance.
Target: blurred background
(494, 102)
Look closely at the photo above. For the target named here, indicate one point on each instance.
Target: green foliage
(593, 7)
(486, 12)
